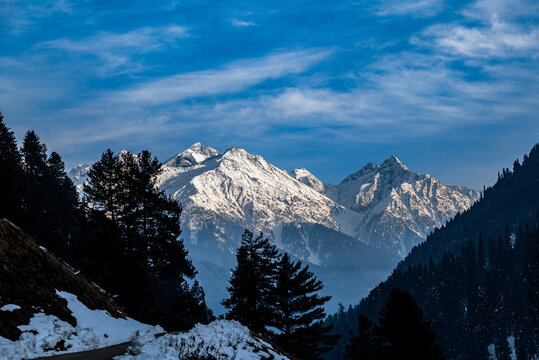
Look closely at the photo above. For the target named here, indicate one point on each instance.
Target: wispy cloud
(116, 49)
(417, 8)
(21, 15)
(492, 32)
(241, 23)
(231, 78)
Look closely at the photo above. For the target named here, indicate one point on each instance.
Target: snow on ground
(46, 335)
(10, 307)
(219, 340)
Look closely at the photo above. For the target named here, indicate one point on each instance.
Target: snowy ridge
(308, 179)
(218, 340)
(400, 207)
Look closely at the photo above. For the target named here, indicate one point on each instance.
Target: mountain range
(351, 234)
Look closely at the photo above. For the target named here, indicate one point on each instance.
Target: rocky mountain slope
(399, 207)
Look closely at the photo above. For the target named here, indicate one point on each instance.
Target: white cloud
(230, 79)
(494, 34)
(302, 102)
(498, 39)
(241, 23)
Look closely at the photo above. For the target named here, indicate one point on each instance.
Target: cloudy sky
(449, 87)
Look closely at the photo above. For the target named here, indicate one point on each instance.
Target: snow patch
(10, 307)
(220, 340)
(46, 335)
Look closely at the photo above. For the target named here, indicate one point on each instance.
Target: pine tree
(35, 169)
(11, 174)
(251, 300)
(363, 345)
(63, 204)
(135, 228)
(300, 311)
(103, 188)
(50, 200)
(402, 331)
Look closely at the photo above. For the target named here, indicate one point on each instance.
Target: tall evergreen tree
(63, 206)
(50, 200)
(300, 311)
(251, 300)
(402, 331)
(35, 168)
(362, 346)
(11, 174)
(135, 228)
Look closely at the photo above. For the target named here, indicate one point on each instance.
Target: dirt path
(99, 354)
(106, 353)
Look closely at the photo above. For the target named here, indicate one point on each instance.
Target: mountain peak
(369, 167)
(393, 162)
(304, 176)
(196, 154)
(300, 173)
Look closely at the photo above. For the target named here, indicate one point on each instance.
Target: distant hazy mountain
(352, 234)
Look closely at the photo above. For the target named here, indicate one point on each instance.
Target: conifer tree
(363, 345)
(300, 312)
(11, 174)
(103, 189)
(35, 169)
(138, 226)
(251, 300)
(402, 331)
(50, 201)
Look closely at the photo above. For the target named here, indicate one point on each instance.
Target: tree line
(480, 303)
(123, 234)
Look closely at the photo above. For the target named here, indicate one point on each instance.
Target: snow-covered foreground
(219, 340)
(47, 335)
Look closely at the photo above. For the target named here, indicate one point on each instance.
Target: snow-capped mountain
(78, 175)
(399, 207)
(224, 193)
(309, 179)
(352, 234)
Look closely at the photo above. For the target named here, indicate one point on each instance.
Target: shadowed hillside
(30, 277)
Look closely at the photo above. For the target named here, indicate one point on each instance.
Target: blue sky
(449, 87)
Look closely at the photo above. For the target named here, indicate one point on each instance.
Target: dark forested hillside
(476, 278)
(512, 201)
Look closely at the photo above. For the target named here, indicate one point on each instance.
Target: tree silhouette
(402, 331)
